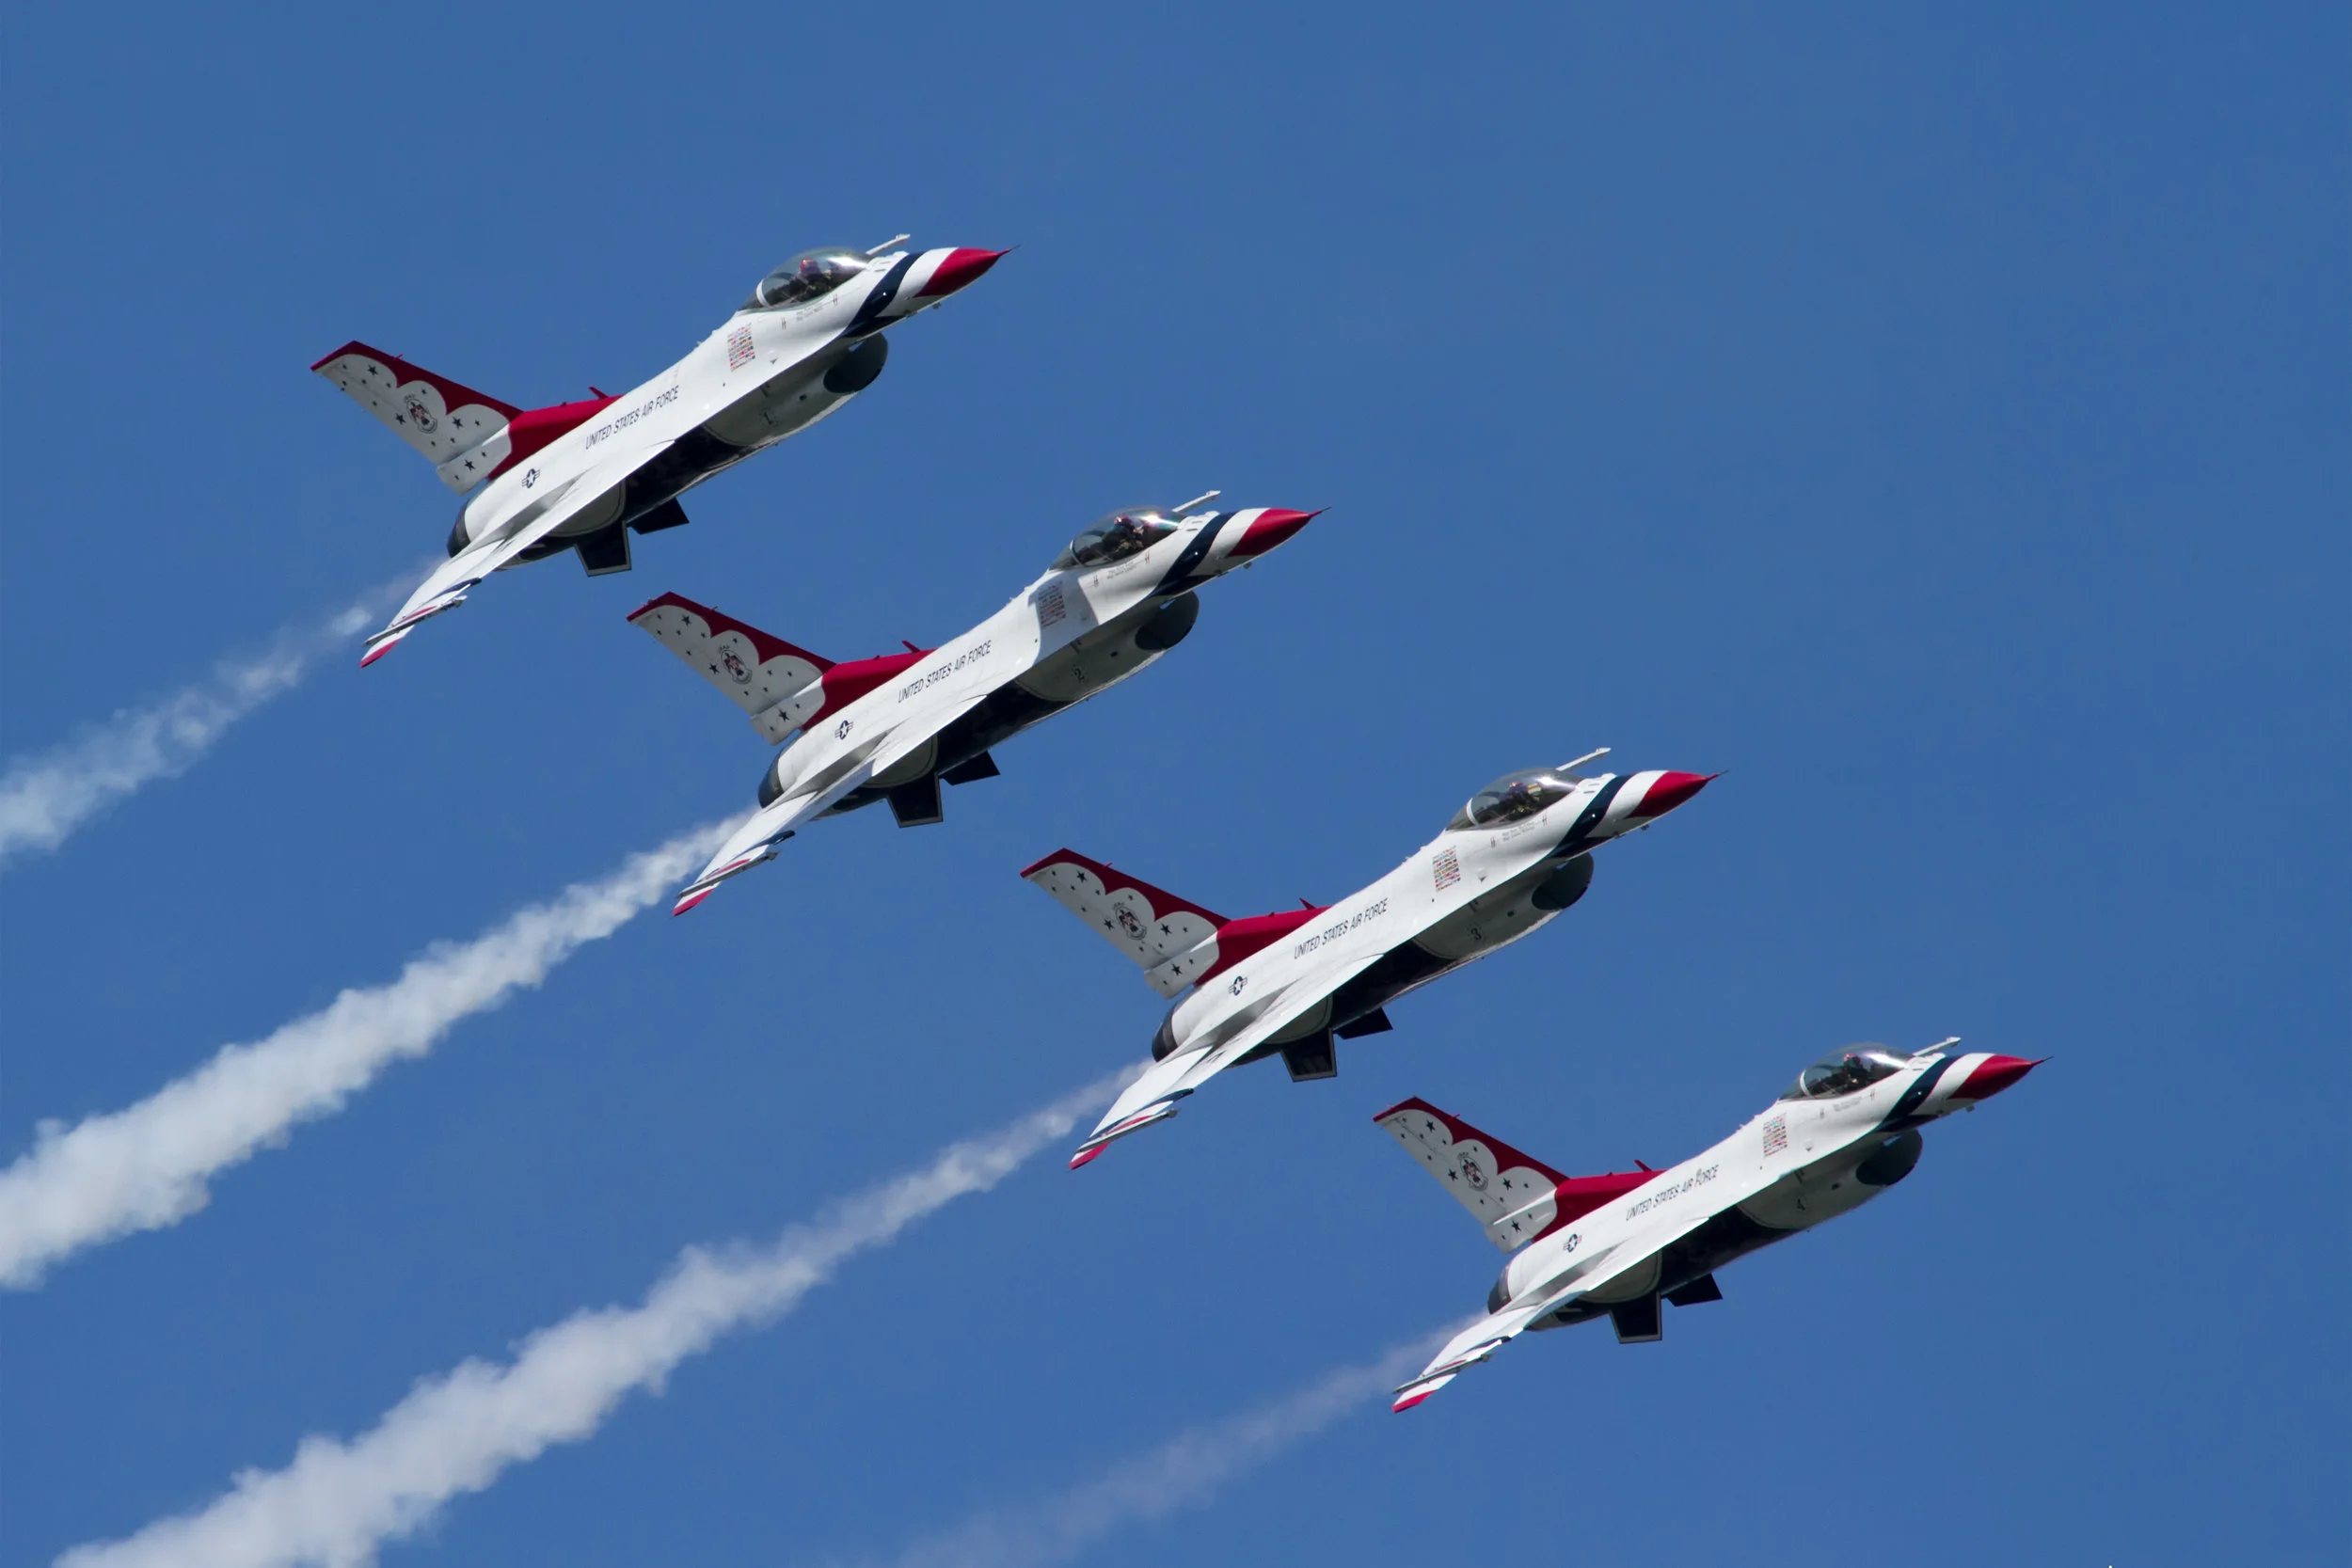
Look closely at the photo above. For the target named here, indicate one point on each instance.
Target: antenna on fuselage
(1592, 755)
(1183, 507)
(894, 240)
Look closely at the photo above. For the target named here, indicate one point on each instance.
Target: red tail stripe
(1238, 939)
(454, 394)
(1163, 902)
(767, 647)
(533, 428)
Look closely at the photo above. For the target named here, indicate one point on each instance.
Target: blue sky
(1936, 422)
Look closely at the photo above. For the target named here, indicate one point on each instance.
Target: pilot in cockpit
(809, 276)
(1124, 537)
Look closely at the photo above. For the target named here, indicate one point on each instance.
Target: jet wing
(1475, 1343)
(446, 588)
(1152, 1097)
(755, 842)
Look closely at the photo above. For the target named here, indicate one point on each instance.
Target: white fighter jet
(1615, 1246)
(1292, 982)
(579, 476)
(894, 728)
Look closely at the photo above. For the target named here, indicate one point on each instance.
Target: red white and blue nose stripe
(1652, 794)
(1981, 1077)
(1272, 526)
(939, 273)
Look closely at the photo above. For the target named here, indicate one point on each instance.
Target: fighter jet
(1290, 983)
(1616, 1245)
(894, 728)
(579, 476)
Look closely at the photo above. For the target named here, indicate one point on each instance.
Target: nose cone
(957, 269)
(1667, 791)
(1993, 1075)
(1271, 527)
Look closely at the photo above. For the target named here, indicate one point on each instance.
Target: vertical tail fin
(769, 678)
(1507, 1192)
(1172, 940)
(467, 435)
(1516, 1196)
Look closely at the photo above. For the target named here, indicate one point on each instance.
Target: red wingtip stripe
(1411, 1399)
(1086, 1156)
(455, 394)
(766, 645)
(1163, 902)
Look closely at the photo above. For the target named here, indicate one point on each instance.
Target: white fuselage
(1073, 632)
(758, 377)
(1796, 1164)
(1060, 641)
(1465, 894)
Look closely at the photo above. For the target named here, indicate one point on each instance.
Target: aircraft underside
(960, 753)
(649, 498)
(1686, 1269)
(1308, 1047)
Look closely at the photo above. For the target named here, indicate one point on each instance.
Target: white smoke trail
(44, 797)
(1185, 1471)
(147, 1167)
(338, 1502)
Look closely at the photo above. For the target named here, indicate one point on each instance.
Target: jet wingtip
(1086, 1156)
(1413, 1393)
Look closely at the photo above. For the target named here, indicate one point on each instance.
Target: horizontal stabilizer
(1505, 1191)
(1159, 932)
(769, 678)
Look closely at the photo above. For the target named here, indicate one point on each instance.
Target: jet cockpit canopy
(1129, 530)
(1514, 797)
(811, 274)
(1842, 1071)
